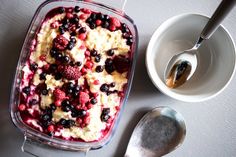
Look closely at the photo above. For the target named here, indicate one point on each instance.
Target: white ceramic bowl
(216, 57)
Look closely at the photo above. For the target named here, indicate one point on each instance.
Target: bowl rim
(159, 83)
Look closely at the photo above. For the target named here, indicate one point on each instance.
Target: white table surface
(211, 125)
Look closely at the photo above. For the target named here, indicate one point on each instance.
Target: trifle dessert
(75, 77)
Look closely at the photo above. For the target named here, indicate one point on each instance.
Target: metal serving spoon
(159, 132)
(182, 66)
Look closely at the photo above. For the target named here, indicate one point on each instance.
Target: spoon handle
(221, 12)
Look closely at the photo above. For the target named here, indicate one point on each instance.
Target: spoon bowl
(190, 58)
(159, 132)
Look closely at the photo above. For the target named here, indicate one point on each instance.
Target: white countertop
(211, 125)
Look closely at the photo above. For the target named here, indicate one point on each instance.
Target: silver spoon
(182, 66)
(159, 132)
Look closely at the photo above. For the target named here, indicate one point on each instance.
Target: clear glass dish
(34, 137)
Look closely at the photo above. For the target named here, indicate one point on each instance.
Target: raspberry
(60, 42)
(59, 94)
(96, 82)
(112, 27)
(86, 120)
(58, 103)
(51, 128)
(69, 15)
(54, 24)
(83, 16)
(83, 97)
(82, 36)
(21, 107)
(89, 106)
(87, 11)
(89, 64)
(42, 57)
(98, 22)
(114, 21)
(71, 73)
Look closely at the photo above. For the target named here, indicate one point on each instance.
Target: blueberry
(105, 24)
(73, 40)
(58, 56)
(70, 45)
(44, 92)
(109, 68)
(70, 85)
(65, 21)
(76, 89)
(105, 18)
(69, 91)
(75, 94)
(104, 117)
(74, 113)
(82, 30)
(65, 26)
(53, 67)
(73, 33)
(65, 102)
(53, 53)
(26, 90)
(93, 53)
(58, 76)
(65, 108)
(62, 121)
(104, 88)
(93, 16)
(66, 59)
(33, 102)
(110, 52)
(113, 84)
(124, 28)
(92, 25)
(129, 41)
(46, 117)
(106, 111)
(53, 107)
(50, 134)
(89, 20)
(93, 101)
(69, 123)
(81, 113)
(74, 20)
(34, 66)
(61, 30)
(99, 68)
(97, 58)
(61, 10)
(108, 61)
(76, 9)
(42, 76)
(78, 63)
(78, 25)
(100, 16)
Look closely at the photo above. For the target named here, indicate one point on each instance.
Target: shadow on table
(123, 143)
(10, 45)
(142, 85)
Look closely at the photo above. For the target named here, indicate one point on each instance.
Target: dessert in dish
(75, 78)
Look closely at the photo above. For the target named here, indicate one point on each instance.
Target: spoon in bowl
(159, 132)
(183, 65)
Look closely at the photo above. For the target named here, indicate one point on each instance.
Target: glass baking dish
(36, 138)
